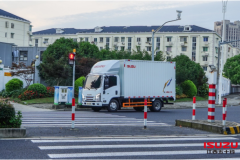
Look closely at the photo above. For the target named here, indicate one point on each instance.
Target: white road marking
(120, 154)
(133, 140)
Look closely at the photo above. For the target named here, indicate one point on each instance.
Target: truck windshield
(93, 82)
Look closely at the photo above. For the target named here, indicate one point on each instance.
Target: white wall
(5, 79)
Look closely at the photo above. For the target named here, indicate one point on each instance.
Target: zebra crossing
(63, 119)
(144, 148)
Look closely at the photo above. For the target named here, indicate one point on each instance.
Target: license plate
(88, 103)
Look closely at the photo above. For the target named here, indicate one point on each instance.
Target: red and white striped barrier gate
(194, 108)
(145, 113)
(73, 112)
(211, 103)
(224, 114)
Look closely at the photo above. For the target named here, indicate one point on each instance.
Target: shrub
(27, 95)
(203, 90)
(78, 83)
(13, 84)
(179, 90)
(50, 92)
(16, 93)
(189, 88)
(7, 115)
(37, 87)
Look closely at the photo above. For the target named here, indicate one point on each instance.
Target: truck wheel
(139, 109)
(113, 106)
(96, 109)
(156, 106)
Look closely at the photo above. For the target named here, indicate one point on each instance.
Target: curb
(232, 130)
(12, 132)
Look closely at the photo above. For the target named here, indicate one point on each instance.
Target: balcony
(169, 43)
(206, 43)
(183, 43)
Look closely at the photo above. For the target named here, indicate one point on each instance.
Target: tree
(23, 71)
(189, 70)
(232, 69)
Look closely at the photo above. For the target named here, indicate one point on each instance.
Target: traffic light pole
(73, 99)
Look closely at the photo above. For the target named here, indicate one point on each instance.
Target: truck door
(111, 88)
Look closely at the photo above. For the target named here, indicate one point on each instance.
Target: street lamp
(153, 32)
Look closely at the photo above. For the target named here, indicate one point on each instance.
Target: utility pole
(219, 97)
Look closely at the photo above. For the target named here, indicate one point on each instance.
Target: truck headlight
(98, 97)
(83, 97)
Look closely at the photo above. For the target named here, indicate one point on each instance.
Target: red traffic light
(71, 56)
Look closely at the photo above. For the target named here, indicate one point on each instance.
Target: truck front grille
(90, 98)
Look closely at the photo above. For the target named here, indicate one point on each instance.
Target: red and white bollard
(211, 103)
(145, 113)
(194, 108)
(224, 113)
(73, 112)
(226, 109)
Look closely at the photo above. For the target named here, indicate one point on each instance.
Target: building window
(205, 49)
(95, 39)
(101, 39)
(158, 43)
(86, 39)
(205, 58)
(30, 28)
(184, 48)
(194, 43)
(74, 39)
(12, 35)
(6, 34)
(149, 48)
(149, 39)
(12, 25)
(122, 39)
(36, 42)
(45, 40)
(122, 48)
(183, 39)
(23, 56)
(205, 39)
(169, 48)
(138, 39)
(100, 48)
(168, 58)
(107, 42)
(116, 39)
(138, 48)
(129, 43)
(205, 68)
(169, 39)
(116, 48)
(6, 24)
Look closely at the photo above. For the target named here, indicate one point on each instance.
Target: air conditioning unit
(149, 43)
(182, 43)
(167, 52)
(170, 43)
(139, 43)
(123, 43)
(29, 32)
(45, 42)
(206, 43)
(206, 63)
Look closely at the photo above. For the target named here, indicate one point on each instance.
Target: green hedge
(13, 84)
(8, 119)
(37, 87)
(78, 83)
(189, 88)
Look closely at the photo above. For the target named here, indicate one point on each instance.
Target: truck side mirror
(106, 83)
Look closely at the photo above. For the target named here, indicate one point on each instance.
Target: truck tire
(113, 106)
(96, 109)
(156, 106)
(139, 109)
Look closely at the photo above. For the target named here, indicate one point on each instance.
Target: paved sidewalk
(27, 108)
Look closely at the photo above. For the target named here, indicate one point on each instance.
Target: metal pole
(73, 99)
(223, 39)
(219, 56)
(194, 108)
(145, 114)
(152, 45)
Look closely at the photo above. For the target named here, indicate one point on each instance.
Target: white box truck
(114, 84)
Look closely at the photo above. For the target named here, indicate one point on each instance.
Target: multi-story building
(232, 31)
(198, 43)
(14, 29)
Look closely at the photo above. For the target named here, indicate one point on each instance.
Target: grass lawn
(190, 99)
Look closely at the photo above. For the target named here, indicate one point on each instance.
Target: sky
(89, 14)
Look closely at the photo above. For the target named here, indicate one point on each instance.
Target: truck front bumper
(92, 104)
